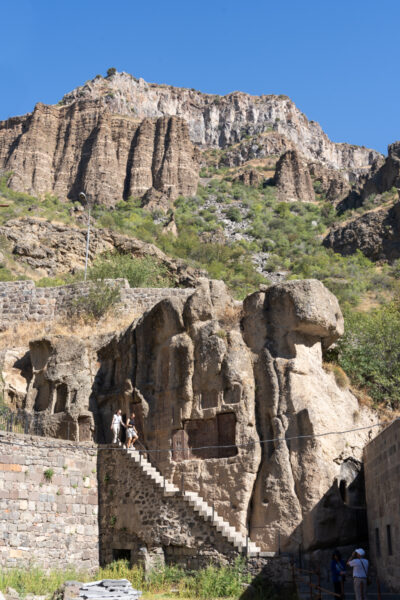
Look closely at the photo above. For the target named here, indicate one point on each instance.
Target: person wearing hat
(360, 573)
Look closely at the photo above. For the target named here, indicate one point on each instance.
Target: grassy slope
(289, 234)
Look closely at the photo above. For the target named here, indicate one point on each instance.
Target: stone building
(382, 483)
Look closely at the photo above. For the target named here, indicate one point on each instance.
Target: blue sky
(338, 60)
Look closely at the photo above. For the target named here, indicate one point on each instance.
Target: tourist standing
(116, 426)
(131, 432)
(338, 571)
(360, 573)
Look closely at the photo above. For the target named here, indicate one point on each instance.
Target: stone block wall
(49, 521)
(22, 301)
(135, 518)
(382, 486)
(139, 523)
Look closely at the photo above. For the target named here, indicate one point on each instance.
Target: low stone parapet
(22, 301)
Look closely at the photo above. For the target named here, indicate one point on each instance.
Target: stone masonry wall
(48, 522)
(23, 301)
(137, 522)
(382, 486)
(135, 517)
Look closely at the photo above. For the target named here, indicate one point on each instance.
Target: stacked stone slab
(109, 589)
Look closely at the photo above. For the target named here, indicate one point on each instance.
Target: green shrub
(233, 213)
(140, 272)
(100, 298)
(48, 474)
(369, 352)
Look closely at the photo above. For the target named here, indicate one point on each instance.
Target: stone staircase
(239, 541)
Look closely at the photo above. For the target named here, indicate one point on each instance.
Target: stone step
(198, 504)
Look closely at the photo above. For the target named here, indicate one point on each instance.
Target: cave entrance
(206, 438)
(61, 398)
(42, 393)
(84, 427)
(121, 554)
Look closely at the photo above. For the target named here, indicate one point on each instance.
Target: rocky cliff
(376, 233)
(64, 150)
(221, 392)
(118, 137)
(48, 249)
(220, 121)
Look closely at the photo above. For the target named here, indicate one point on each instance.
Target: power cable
(247, 445)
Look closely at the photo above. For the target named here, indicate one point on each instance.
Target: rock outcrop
(376, 233)
(385, 174)
(209, 379)
(85, 147)
(221, 121)
(230, 397)
(250, 177)
(50, 249)
(292, 178)
(299, 179)
(330, 183)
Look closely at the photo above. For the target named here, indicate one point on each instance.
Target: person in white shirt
(360, 572)
(116, 426)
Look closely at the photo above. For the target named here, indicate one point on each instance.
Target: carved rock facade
(222, 391)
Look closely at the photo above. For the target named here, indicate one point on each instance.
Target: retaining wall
(48, 522)
(22, 301)
(382, 486)
(95, 503)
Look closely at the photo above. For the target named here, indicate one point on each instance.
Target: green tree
(369, 352)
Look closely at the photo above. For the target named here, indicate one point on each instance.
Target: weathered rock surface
(63, 370)
(54, 248)
(329, 182)
(292, 178)
(85, 147)
(220, 121)
(222, 391)
(250, 177)
(299, 179)
(376, 233)
(385, 175)
(204, 374)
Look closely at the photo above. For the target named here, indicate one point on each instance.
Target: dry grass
(384, 414)
(340, 376)
(232, 316)
(21, 334)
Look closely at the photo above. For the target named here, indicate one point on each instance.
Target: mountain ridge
(219, 121)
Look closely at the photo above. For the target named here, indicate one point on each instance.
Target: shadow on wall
(342, 498)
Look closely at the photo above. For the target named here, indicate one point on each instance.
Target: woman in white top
(116, 426)
(360, 572)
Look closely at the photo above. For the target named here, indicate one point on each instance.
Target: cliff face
(119, 137)
(376, 233)
(220, 121)
(210, 381)
(83, 146)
